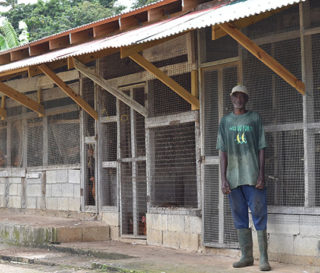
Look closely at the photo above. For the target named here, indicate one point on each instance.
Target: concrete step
(39, 230)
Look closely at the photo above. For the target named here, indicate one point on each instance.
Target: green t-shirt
(241, 137)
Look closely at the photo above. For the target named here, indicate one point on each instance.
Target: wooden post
(194, 86)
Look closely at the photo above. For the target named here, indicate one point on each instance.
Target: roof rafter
(68, 90)
(21, 98)
(264, 57)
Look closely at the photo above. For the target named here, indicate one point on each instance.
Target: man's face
(239, 100)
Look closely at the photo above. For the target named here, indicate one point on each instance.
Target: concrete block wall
(15, 193)
(2, 192)
(292, 239)
(35, 192)
(112, 220)
(63, 189)
(175, 231)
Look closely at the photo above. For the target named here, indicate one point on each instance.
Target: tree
(9, 3)
(140, 3)
(8, 36)
(49, 17)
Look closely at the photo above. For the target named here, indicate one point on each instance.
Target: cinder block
(110, 218)
(48, 190)
(51, 177)
(114, 233)
(62, 176)
(3, 180)
(67, 190)
(306, 246)
(67, 234)
(14, 202)
(171, 239)
(2, 201)
(52, 203)
(193, 224)
(56, 190)
(176, 223)
(18, 173)
(2, 189)
(13, 189)
(281, 243)
(309, 226)
(14, 180)
(63, 204)
(157, 221)
(74, 176)
(34, 190)
(76, 190)
(154, 237)
(100, 233)
(189, 241)
(74, 204)
(31, 202)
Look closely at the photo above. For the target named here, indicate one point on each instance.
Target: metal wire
(109, 187)
(175, 166)
(35, 142)
(3, 144)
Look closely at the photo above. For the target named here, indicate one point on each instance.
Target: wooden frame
(66, 89)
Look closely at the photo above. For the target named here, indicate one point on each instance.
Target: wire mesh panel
(109, 138)
(64, 139)
(107, 104)
(108, 187)
(174, 171)
(314, 12)
(141, 182)
(126, 198)
(230, 79)
(16, 144)
(229, 231)
(211, 112)
(316, 76)
(219, 49)
(139, 96)
(164, 101)
(125, 131)
(317, 169)
(88, 96)
(35, 142)
(280, 22)
(284, 168)
(90, 183)
(211, 204)
(3, 144)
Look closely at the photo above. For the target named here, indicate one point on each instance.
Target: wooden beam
(19, 54)
(160, 75)
(218, 32)
(106, 29)
(194, 86)
(5, 58)
(104, 84)
(81, 36)
(21, 98)
(127, 51)
(264, 57)
(38, 49)
(69, 91)
(61, 42)
(3, 112)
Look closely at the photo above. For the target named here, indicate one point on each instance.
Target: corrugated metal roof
(194, 20)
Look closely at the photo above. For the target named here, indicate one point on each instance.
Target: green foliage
(53, 16)
(9, 37)
(3, 43)
(9, 3)
(140, 3)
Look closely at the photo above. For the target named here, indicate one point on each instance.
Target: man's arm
(225, 186)
(261, 183)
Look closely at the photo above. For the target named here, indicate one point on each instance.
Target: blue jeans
(244, 197)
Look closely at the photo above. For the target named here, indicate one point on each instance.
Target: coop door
(217, 220)
(133, 166)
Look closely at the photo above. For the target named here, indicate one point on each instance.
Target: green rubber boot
(245, 242)
(263, 248)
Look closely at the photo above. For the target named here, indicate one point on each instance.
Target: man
(241, 142)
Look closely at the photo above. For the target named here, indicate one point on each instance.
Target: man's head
(239, 97)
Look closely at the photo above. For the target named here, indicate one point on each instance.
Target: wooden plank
(38, 49)
(60, 42)
(155, 14)
(128, 22)
(21, 98)
(264, 57)
(104, 84)
(65, 88)
(106, 29)
(127, 51)
(5, 59)
(19, 54)
(160, 75)
(81, 36)
(3, 112)
(194, 86)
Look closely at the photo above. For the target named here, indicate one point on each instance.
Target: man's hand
(225, 187)
(260, 182)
